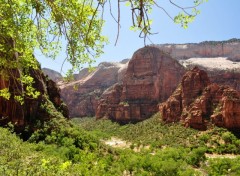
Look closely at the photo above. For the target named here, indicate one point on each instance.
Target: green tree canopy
(29, 25)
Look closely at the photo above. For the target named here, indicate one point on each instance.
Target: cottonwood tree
(30, 25)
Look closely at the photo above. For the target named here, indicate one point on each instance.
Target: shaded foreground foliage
(61, 147)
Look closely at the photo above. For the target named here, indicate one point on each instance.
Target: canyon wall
(151, 77)
(53, 75)
(48, 104)
(83, 94)
(221, 60)
(197, 103)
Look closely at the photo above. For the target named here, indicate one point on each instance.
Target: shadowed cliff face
(48, 105)
(196, 103)
(150, 78)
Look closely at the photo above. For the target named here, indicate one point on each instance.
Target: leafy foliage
(27, 26)
(158, 135)
(30, 25)
(40, 24)
(223, 166)
(61, 147)
(149, 132)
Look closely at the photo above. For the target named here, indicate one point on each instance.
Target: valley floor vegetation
(78, 147)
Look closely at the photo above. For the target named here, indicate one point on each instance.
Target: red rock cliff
(45, 107)
(151, 77)
(218, 59)
(196, 103)
(82, 95)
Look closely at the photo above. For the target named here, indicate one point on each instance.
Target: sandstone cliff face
(229, 49)
(220, 70)
(218, 59)
(45, 107)
(151, 76)
(82, 95)
(221, 60)
(196, 103)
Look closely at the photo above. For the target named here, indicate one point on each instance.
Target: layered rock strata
(229, 48)
(220, 59)
(83, 94)
(197, 103)
(151, 77)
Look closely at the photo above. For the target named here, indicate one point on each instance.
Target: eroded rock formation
(219, 59)
(151, 77)
(48, 105)
(196, 103)
(82, 95)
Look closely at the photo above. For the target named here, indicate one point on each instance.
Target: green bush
(64, 148)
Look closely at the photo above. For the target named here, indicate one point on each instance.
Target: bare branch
(118, 21)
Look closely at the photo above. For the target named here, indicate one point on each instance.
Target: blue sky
(219, 20)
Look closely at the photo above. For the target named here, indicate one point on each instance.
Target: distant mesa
(228, 49)
(124, 61)
(220, 59)
(82, 74)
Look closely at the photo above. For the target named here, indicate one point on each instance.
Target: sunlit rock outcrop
(197, 103)
(151, 77)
